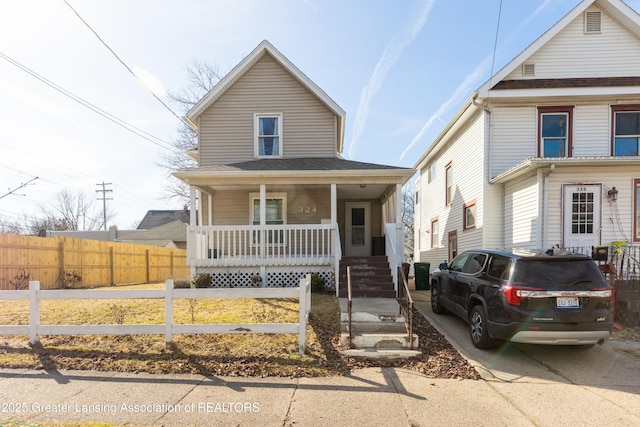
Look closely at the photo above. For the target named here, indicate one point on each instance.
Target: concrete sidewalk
(371, 397)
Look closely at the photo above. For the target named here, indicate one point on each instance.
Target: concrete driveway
(552, 385)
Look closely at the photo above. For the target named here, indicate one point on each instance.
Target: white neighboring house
(546, 153)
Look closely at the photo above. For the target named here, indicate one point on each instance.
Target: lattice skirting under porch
(276, 277)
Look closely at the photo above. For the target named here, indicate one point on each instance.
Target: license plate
(567, 302)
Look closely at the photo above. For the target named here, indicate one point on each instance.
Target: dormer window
(268, 135)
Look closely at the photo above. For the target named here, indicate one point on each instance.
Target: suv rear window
(565, 272)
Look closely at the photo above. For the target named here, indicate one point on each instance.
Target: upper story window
(268, 135)
(626, 130)
(554, 131)
(449, 184)
(469, 215)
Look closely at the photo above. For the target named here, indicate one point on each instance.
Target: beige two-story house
(271, 196)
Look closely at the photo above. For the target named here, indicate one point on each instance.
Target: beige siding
(304, 206)
(226, 128)
(571, 53)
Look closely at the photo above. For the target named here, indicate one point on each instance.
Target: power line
(139, 132)
(22, 185)
(123, 63)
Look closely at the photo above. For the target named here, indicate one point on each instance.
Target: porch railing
(394, 248)
(230, 245)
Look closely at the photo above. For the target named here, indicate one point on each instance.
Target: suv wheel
(436, 306)
(478, 328)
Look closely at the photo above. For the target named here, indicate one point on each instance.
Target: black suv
(541, 298)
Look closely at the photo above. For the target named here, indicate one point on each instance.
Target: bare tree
(408, 206)
(68, 212)
(9, 227)
(201, 78)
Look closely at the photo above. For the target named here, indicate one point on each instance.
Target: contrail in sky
(391, 53)
(469, 84)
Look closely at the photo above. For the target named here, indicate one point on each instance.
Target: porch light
(365, 186)
(612, 194)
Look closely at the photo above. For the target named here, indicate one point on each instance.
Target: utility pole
(104, 199)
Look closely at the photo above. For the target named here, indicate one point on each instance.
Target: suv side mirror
(443, 266)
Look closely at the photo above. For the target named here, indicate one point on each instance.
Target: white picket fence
(34, 295)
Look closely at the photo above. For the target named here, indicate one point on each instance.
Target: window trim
(437, 244)
(621, 108)
(636, 211)
(448, 196)
(466, 206)
(567, 109)
(256, 136)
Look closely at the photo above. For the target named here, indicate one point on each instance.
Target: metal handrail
(349, 304)
(406, 304)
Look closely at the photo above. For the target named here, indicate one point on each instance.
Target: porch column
(336, 240)
(210, 208)
(263, 204)
(193, 205)
(399, 234)
(263, 234)
(199, 193)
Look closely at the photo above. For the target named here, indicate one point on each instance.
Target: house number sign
(306, 209)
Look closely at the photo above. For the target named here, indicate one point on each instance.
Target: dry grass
(231, 354)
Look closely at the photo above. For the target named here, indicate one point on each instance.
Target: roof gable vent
(528, 69)
(593, 22)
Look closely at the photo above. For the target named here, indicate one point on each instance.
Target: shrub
(68, 280)
(202, 280)
(21, 280)
(181, 284)
(317, 283)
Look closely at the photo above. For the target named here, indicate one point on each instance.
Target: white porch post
(193, 206)
(199, 197)
(191, 238)
(336, 240)
(263, 234)
(210, 208)
(399, 233)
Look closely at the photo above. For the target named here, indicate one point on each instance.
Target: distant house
(170, 235)
(271, 191)
(547, 152)
(155, 218)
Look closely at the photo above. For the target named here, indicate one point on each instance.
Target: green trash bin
(421, 271)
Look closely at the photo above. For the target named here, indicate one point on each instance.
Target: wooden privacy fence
(34, 295)
(96, 263)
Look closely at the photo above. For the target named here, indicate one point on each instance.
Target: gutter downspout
(487, 152)
(545, 203)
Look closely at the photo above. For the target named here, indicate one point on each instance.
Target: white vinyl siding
(513, 137)
(466, 156)
(572, 53)
(521, 216)
(591, 135)
(227, 127)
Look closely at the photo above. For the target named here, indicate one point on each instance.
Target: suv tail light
(605, 293)
(516, 293)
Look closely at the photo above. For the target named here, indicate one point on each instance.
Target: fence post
(34, 311)
(168, 310)
(113, 267)
(148, 266)
(305, 284)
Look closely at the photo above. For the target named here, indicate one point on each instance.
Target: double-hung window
(626, 130)
(275, 214)
(554, 131)
(268, 135)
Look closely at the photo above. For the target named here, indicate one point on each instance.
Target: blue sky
(400, 69)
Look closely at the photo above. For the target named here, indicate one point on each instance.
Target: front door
(358, 236)
(582, 204)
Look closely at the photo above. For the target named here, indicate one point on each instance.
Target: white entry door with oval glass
(358, 225)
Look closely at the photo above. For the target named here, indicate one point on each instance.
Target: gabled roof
(617, 9)
(175, 231)
(155, 218)
(266, 48)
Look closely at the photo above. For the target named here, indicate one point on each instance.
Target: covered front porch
(268, 222)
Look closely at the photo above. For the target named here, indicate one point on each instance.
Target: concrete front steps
(378, 330)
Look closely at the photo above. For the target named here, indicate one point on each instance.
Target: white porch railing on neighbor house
(264, 245)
